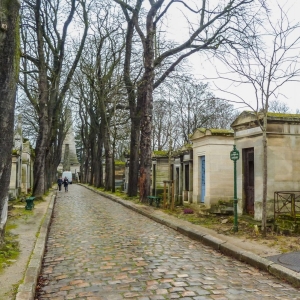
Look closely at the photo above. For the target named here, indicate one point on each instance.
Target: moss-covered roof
(252, 116)
(216, 131)
(160, 153)
(187, 146)
(185, 149)
(271, 114)
(119, 163)
(283, 115)
(202, 129)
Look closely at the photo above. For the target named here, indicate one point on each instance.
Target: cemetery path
(26, 228)
(100, 249)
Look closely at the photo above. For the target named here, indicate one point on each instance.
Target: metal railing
(287, 203)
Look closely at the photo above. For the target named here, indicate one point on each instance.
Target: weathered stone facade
(283, 151)
(21, 177)
(161, 170)
(182, 174)
(27, 168)
(212, 167)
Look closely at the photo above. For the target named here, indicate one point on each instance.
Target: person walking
(59, 183)
(66, 183)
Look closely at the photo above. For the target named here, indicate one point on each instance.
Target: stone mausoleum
(283, 159)
(212, 167)
(21, 177)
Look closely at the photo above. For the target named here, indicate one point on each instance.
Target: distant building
(69, 160)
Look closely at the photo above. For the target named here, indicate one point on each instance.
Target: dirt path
(27, 228)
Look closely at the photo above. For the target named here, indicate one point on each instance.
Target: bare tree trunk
(135, 115)
(145, 143)
(9, 72)
(134, 157)
(43, 134)
(108, 159)
(99, 171)
(113, 168)
(86, 170)
(145, 100)
(92, 161)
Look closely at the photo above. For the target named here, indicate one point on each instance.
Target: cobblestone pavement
(98, 249)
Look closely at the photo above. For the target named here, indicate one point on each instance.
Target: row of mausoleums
(203, 172)
(21, 177)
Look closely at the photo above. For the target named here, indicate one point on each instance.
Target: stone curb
(26, 290)
(218, 244)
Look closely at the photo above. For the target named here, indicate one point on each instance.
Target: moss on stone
(160, 153)
(14, 152)
(283, 115)
(216, 131)
(119, 163)
(202, 129)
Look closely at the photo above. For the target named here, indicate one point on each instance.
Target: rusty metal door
(248, 160)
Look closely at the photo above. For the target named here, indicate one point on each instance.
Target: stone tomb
(212, 167)
(182, 174)
(283, 159)
(161, 169)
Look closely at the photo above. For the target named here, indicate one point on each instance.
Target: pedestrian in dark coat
(66, 183)
(59, 183)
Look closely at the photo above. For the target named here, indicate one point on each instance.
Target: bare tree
(9, 66)
(278, 106)
(47, 73)
(270, 61)
(196, 106)
(182, 106)
(100, 68)
(215, 26)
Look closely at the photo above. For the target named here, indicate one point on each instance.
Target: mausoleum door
(248, 159)
(202, 178)
(177, 181)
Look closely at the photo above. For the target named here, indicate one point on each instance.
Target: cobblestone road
(98, 249)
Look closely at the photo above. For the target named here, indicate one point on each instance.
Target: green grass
(117, 193)
(10, 250)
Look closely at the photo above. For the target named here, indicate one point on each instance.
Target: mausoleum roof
(251, 117)
(201, 132)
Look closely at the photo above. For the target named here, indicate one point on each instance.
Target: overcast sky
(289, 93)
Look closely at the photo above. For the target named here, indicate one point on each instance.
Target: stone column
(66, 165)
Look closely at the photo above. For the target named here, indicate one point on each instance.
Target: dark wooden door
(248, 159)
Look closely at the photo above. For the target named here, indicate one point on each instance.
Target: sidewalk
(32, 233)
(246, 251)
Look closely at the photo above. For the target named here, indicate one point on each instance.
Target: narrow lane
(98, 249)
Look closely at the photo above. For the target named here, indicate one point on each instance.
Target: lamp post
(234, 156)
